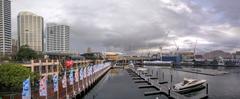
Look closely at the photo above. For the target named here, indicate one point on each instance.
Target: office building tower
(30, 30)
(5, 27)
(57, 37)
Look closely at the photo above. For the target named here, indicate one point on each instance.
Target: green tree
(26, 53)
(13, 75)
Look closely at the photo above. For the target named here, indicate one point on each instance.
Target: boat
(131, 64)
(158, 63)
(188, 85)
(141, 69)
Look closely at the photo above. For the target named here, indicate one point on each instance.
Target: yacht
(188, 85)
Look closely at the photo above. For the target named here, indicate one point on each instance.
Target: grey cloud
(130, 24)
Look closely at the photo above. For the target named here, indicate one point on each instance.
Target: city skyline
(131, 25)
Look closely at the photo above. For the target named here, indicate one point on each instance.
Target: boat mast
(194, 51)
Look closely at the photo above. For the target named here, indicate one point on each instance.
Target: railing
(72, 90)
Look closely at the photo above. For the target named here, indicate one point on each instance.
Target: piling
(207, 89)
(169, 93)
(163, 76)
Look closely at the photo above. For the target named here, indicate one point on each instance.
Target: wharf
(164, 88)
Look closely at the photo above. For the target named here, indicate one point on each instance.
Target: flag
(64, 80)
(26, 92)
(69, 63)
(76, 76)
(55, 82)
(43, 86)
(71, 79)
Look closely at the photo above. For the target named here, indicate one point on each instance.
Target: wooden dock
(162, 88)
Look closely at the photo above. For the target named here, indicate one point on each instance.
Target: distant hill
(217, 54)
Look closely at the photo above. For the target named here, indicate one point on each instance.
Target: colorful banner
(55, 82)
(43, 86)
(81, 73)
(76, 76)
(71, 78)
(64, 80)
(26, 92)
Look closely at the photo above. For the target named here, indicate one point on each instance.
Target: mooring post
(207, 89)
(163, 76)
(169, 93)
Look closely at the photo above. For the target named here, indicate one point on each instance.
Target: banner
(55, 82)
(81, 73)
(64, 80)
(43, 86)
(76, 76)
(71, 78)
(26, 92)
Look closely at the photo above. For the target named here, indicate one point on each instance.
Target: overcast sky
(130, 25)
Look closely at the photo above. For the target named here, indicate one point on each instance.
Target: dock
(162, 87)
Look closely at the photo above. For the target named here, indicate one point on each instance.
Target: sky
(138, 25)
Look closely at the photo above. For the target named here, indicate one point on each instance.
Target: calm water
(225, 86)
(117, 84)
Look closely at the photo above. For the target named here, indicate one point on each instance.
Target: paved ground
(117, 84)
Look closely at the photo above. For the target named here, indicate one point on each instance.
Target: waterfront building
(5, 27)
(14, 46)
(30, 30)
(57, 37)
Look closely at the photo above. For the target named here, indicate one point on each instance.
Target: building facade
(30, 30)
(5, 27)
(57, 37)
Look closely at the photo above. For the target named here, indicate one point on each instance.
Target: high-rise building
(57, 37)
(5, 27)
(14, 46)
(30, 30)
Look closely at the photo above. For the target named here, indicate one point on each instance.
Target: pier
(75, 91)
(162, 87)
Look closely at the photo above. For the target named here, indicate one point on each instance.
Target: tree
(26, 53)
(13, 75)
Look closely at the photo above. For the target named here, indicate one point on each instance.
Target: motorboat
(188, 85)
(141, 69)
(131, 64)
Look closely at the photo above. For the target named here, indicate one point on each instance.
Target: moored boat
(188, 85)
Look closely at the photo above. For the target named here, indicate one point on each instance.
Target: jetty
(161, 86)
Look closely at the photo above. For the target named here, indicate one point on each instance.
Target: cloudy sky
(131, 25)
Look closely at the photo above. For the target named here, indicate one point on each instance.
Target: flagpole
(47, 83)
(66, 83)
(58, 86)
(30, 87)
(73, 88)
(78, 79)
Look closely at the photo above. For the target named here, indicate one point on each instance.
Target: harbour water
(118, 85)
(224, 86)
